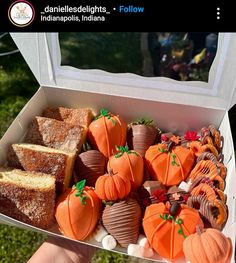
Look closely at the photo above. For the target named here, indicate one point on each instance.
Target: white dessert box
(174, 106)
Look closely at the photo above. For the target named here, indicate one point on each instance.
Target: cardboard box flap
(34, 48)
(42, 53)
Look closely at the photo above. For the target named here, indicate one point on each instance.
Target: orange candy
(112, 186)
(208, 245)
(106, 132)
(165, 232)
(170, 167)
(129, 164)
(78, 218)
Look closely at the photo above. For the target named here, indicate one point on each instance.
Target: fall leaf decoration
(177, 195)
(159, 195)
(165, 137)
(188, 137)
(191, 136)
(175, 139)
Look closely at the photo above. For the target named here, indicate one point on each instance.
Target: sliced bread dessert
(31, 157)
(27, 196)
(56, 134)
(81, 117)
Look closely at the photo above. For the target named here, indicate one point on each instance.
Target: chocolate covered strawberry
(122, 220)
(141, 135)
(90, 165)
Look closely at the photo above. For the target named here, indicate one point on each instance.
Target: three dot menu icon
(218, 13)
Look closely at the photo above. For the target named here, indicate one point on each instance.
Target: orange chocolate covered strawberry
(169, 165)
(129, 164)
(106, 132)
(78, 211)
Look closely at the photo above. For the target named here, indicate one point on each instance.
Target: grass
(9, 108)
(17, 245)
(113, 52)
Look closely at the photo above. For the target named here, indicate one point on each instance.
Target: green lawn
(17, 245)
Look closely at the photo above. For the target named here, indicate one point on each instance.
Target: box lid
(42, 53)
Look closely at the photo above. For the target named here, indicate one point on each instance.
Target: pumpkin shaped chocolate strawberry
(166, 228)
(141, 135)
(78, 211)
(169, 163)
(106, 132)
(208, 245)
(129, 164)
(112, 186)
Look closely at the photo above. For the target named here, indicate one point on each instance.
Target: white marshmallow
(184, 186)
(147, 252)
(142, 241)
(139, 251)
(109, 242)
(100, 233)
(134, 250)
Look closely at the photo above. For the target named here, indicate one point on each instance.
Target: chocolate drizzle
(90, 165)
(141, 137)
(122, 220)
(175, 194)
(209, 211)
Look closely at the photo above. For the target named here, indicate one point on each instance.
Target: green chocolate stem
(80, 188)
(143, 121)
(105, 113)
(162, 150)
(124, 150)
(180, 231)
(173, 162)
(110, 203)
(178, 222)
(86, 147)
(173, 156)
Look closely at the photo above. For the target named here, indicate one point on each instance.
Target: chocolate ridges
(122, 220)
